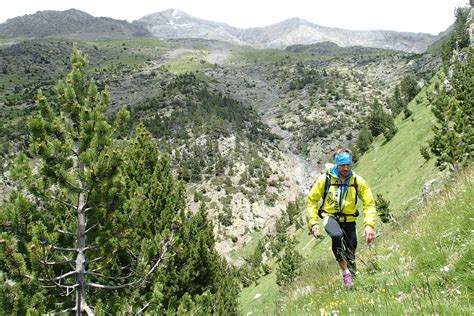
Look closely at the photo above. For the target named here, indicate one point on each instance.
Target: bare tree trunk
(81, 303)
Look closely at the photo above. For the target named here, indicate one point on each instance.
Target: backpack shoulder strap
(357, 189)
(327, 184)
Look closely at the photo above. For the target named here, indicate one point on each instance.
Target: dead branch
(63, 286)
(65, 232)
(64, 249)
(71, 261)
(65, 275)
(90, 248)
(53, 263)
(143, 308)
(139, 282)
(109, 277)
(90, 228)
(93, 260)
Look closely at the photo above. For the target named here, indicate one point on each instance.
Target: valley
(303, 104)
(167, 171)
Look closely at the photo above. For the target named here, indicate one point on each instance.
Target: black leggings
(342, 233)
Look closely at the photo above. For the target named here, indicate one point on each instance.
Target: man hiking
(340, 188)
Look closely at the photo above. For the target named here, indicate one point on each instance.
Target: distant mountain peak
(72, 23)
(296, 20)
(172, 23)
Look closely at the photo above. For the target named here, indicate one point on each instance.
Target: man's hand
(369, 234)
(315, 230)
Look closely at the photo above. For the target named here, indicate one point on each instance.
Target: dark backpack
(327, 184)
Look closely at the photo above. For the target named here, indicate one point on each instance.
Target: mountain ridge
(176, 24)
(71, 23)
(279, 35)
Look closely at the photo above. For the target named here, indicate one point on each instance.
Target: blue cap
(343, 158)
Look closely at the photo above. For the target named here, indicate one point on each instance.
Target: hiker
(339, 189)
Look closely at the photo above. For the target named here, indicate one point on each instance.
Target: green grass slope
(419, 265)
(396, 168)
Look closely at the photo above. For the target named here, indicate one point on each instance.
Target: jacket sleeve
(313, 198)
(365, 194)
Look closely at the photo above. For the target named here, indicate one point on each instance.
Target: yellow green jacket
(341, 197)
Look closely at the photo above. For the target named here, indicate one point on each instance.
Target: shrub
(383, 209)
(425, 152)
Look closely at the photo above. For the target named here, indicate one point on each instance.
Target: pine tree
(461, 36)
(390, 128)
(396, 102)
(454, 111)
(62, 189)
(292, 211)
(383, 209)
(364, 140)
(289, 267)
(408, 89)
(380, 122)
(196, 270)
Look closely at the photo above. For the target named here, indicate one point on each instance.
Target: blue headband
(343, 158)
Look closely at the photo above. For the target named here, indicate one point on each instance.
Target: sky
(424, 16)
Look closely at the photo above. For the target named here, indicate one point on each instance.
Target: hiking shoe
(347, 278)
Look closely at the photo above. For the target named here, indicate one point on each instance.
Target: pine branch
(92, 227)
(93, 260)
(109, 277)
(71, 261)
(67, 310)
(65, 232)
(65, 275)
(90, 248)
(69, 205)
(139, 282)
(62, 286)
(143, 308)
(53, 263)
(64, 249)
